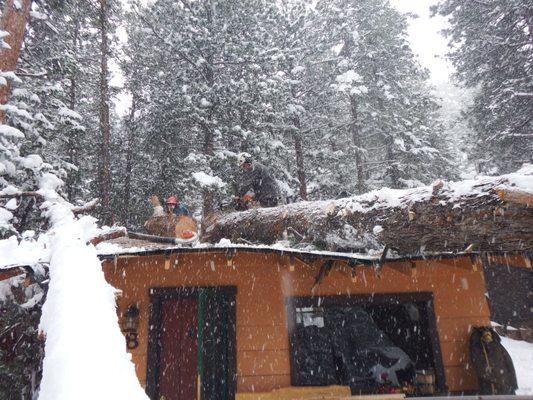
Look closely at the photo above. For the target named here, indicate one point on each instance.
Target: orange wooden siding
(264, 281)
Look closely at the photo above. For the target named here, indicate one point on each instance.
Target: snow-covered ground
(522, 354)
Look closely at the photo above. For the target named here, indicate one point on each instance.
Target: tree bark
(14, 21)
(209, 139)
(73, 141)
(105, 128)
(356, 138)
(298, 149)
(129, 160)
(431, 219)
(392, 168)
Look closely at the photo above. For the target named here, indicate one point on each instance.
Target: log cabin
(260, 322)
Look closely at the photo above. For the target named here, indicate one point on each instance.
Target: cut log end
(515, 196)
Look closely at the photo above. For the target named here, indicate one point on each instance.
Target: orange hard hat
(172, 200)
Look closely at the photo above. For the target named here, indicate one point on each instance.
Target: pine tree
(391, 117)
(24, 160)
(492, 51)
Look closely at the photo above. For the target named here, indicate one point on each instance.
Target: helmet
(172, 200)
(244, 158)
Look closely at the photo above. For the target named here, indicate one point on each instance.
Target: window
(372, 347)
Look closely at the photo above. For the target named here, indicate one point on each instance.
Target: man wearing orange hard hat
(174, 207)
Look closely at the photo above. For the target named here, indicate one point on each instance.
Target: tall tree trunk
(356, 138)
(73, 140)
(14, 20)
(392, 169)
(105, 129)
(129, 161)
(209, 138)
(298, 149)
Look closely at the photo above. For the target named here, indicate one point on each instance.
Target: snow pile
(28, 251)
(10, 131)
(205, 180)
(5, 218)
(32, 161)
(112, 248)
(3, 44)
(85, 352)
(68, 113)
(33, 251)
(522, 354)
(349, 77)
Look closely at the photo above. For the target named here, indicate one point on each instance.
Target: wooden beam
(465, 263)
(407, 268)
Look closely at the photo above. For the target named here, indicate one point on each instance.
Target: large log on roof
(484, 214)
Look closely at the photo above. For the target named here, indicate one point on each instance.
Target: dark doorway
(191, 349)
(371, 343)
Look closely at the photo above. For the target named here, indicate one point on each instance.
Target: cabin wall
(264, 280)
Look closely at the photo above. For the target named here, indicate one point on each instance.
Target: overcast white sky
(426, 40)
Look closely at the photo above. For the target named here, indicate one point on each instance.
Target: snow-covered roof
(31, 253)
(128, 246)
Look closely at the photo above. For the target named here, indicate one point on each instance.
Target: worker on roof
(257, 183)
(174, 207)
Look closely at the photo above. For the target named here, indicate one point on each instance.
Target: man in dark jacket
(257, 183)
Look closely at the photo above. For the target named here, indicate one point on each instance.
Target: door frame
(157, 296)
(291, 303)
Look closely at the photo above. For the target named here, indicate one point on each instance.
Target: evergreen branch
(91, 205)
(178, 52)
(42, 74)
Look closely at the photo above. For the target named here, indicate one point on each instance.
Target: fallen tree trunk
(170, 225)
(488, 214)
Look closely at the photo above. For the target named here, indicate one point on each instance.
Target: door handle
(163, 397)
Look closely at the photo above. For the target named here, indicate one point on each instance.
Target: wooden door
(179, 349)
